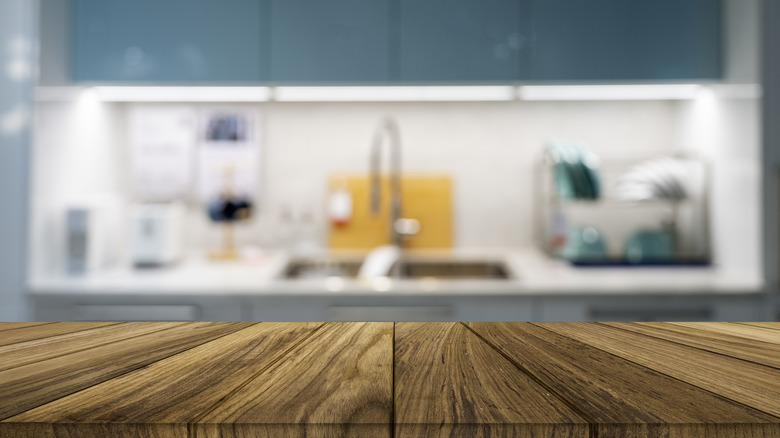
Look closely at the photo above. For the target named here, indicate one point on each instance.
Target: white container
(156, 236)
(90, 234)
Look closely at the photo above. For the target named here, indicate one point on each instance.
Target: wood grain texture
(337, 383)
(45, 330)
(615, 394)
(741, 330)
(16, 325)
(450, 383)
(764, 353)
(747, 383)
(769, 325)
(32, 385)
(87, 430)
(176, 390)
(23, 353)
(184, 380)
(701, 430)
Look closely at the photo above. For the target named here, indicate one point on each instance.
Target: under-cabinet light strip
(395, 93)
(183, 94)
(609, 92)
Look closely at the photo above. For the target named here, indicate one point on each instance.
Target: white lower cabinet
(138, 309)
(393, 308)
(652, 308)
(319, 307)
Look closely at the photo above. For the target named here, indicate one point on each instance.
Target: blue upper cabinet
(317, 41)
(171, 40)
(395, 41)
(626, 40)
(464, 40)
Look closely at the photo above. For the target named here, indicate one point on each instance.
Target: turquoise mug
(584, 243)
(649, 245)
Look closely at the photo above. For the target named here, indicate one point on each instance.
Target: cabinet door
(330, 41)
(464, 40)
(626, 39)
(171, 40)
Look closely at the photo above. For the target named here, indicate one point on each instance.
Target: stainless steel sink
(454, 270)
(301, 269)
(409, 269)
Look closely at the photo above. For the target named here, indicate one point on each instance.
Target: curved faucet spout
(387, 129)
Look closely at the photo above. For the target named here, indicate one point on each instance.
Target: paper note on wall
(162, 140)
(228, 154)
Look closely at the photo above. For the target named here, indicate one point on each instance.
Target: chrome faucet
(399, 227)
(388, 128)
(386, 259)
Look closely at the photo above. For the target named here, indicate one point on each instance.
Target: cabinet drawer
(390, 313)
(112, 312)
(649, 314)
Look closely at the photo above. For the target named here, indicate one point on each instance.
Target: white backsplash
(489, 148)
(726, 132)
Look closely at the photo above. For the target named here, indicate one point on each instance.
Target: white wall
(723, 124)
(78, 155)
(489, 149)
(18, 45)
(724, 131)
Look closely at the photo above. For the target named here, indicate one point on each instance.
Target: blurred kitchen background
(389, 160)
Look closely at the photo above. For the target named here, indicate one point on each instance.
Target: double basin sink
(405, 269)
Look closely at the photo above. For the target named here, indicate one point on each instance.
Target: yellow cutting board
(427, 198)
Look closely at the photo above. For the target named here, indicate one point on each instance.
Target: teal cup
(584, 244)
(649, 245)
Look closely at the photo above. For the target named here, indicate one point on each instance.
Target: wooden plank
(701, 430)
(46, 330)
(17, 325)
(339, 382)
(81, 430)
(448, 382)
(748, 383)
(32, 385)
(172, 392)
(769, 325)
(357, 379)
(621, 398)
(744, 331)
(761, 352)
(23, 353)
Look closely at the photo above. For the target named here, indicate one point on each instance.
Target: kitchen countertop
(390, 379)
(533, 273)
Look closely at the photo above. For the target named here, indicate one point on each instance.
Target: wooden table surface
(170, 379)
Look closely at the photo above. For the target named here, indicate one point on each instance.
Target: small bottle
(559, 231)
(340, 205)
(286, 235)
(307, 234)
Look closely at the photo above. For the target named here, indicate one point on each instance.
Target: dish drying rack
(686, 220)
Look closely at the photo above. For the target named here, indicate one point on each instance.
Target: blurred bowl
(584, 243)
(649, 245)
